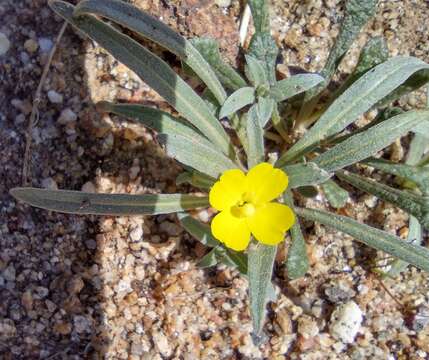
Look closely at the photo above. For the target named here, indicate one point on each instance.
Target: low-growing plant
(222, 139)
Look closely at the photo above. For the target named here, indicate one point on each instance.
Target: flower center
(243, 210)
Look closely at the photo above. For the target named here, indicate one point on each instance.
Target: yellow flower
(245, 206)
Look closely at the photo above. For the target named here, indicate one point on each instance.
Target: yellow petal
(228, 190)
(265, 183)
(230, 230)
(270, 223)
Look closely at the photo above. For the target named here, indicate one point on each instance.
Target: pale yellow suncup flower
(246, 206)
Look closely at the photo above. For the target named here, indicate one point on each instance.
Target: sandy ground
(128, 288)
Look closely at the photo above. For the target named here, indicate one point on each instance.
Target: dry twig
(34, 116)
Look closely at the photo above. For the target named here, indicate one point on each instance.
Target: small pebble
(54, 97)
(4, 44)
(136, 233)
(67, 116)
(45, 44)
(31, 45)
(49, 183)
(345, 322)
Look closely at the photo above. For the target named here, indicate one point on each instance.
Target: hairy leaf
(197, 155)
(78, 202)
(153, 70)
(265, 107)
(305, 174)
(296, 84)
(335, 194)
(407, 201)
(255, 71)
(356, 100)
(153, 29)
(236, 101)
(261, 15)
(261, 261)
(202, 233)
(209, 49)
(418, 175)
(377, 239)
(367, 143)
(264, 48)
(155, 119)
(297, 262)
(255, 133)
(196, 179)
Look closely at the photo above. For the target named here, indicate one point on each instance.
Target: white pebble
(55, 97)
(345, 322)
(89, 187)
(136, 233)
(4, 44)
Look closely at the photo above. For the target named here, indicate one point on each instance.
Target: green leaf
(422, 129)
(335, 194)
(297, 263)
(202, 233)
(77, 202)
(356, 100)
(415, 82)
(377, 239)
(367, 143)
(374, 53)
(265, 107)
(305, 174)
(208, 260)
(263, 48)
(236, 101)
(413, 204)
(196, 179)
(255, 71)
(296, 84)
(155, 119)
(209, 49)
(149, 27)
(196, 154)
(261, 261)
(420, 176)
(153, 70)
(255, 133)
(261, 15)
(414, 237)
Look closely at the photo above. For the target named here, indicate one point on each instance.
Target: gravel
(128, 287)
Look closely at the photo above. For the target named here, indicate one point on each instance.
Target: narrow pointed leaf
(236, 101)
(335, 194)
(414, 237)
(77, 202)
(208, 260)
(375, 238)
(153, 70)
(265, 107)
(422, 129)
(356, 100)
(196, 179)
(155, 119)
(261, 261)
(296, 84)
(209, 49)
(405, 200)
(202, 233)
(255, 71)
(418, 175)
(197, 155)
(305, 174)
(155, 30)
(297, 263)
(255, 133)
(369, 142)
